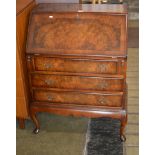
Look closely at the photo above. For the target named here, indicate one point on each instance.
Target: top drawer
(76, 65)
(80, 33)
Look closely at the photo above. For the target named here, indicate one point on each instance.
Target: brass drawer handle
(49, 97)
(104, 85)
(48, 82)
(47, 65)
(102, 100)
(102, 67)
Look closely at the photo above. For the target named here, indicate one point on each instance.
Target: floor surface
(58, 136)
(131, 146)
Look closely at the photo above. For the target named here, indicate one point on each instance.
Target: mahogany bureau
(76, 59)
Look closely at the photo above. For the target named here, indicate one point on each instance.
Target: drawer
(76, 82)
(79, 98)
(75, 65)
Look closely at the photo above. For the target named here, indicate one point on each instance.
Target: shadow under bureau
(76, 59)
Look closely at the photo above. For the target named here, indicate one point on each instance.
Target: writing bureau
(76, 59)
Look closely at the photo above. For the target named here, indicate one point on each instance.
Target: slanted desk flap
(77, 33)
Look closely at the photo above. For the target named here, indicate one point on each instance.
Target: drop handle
(48, 82)
(49, 97)
(104, 85)
(102, 67)
(47, 65)
(102, 100)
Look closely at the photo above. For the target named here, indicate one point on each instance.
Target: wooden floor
(131, 146)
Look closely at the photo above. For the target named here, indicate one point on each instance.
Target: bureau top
(74, 29)
(106, 8)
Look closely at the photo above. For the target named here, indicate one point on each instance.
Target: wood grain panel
(21, 102)
(22, 97)
(18, 66)
(77, 82)
(77, 34)
(79, 98)
(75, 65)
(19, 90)
(21, 108)
(22, 5)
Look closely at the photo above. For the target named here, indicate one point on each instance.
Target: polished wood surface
(23, 8)
(78, 98)
(78, 65)
(78, 110)
(77, 33)
(22, 5)
(76, 61)
(76, 82)
(21, 122)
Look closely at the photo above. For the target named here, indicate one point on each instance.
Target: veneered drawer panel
(76, 82)
(75, 65)
(81, 98)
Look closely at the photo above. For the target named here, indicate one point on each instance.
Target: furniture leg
(36, 122)
(21, 122)
(122, 128)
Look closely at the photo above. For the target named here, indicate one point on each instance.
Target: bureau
(76, 59)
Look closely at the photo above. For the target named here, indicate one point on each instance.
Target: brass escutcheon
(102, 100)
(104, 85)
(102, 67)
(49, 97)
(48, 82)
(48, 66)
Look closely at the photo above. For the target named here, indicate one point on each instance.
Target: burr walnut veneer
(76, 59)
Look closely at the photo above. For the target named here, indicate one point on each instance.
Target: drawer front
(77, 82)
(78, 98)
(83, 33)
(75, 65)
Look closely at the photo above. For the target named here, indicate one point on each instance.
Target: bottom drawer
(79, 98)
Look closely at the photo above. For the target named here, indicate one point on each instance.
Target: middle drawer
(76, 65)
(77, 82)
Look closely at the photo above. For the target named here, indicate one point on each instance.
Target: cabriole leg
(122, 136)
(36, 122)
(123, 124)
